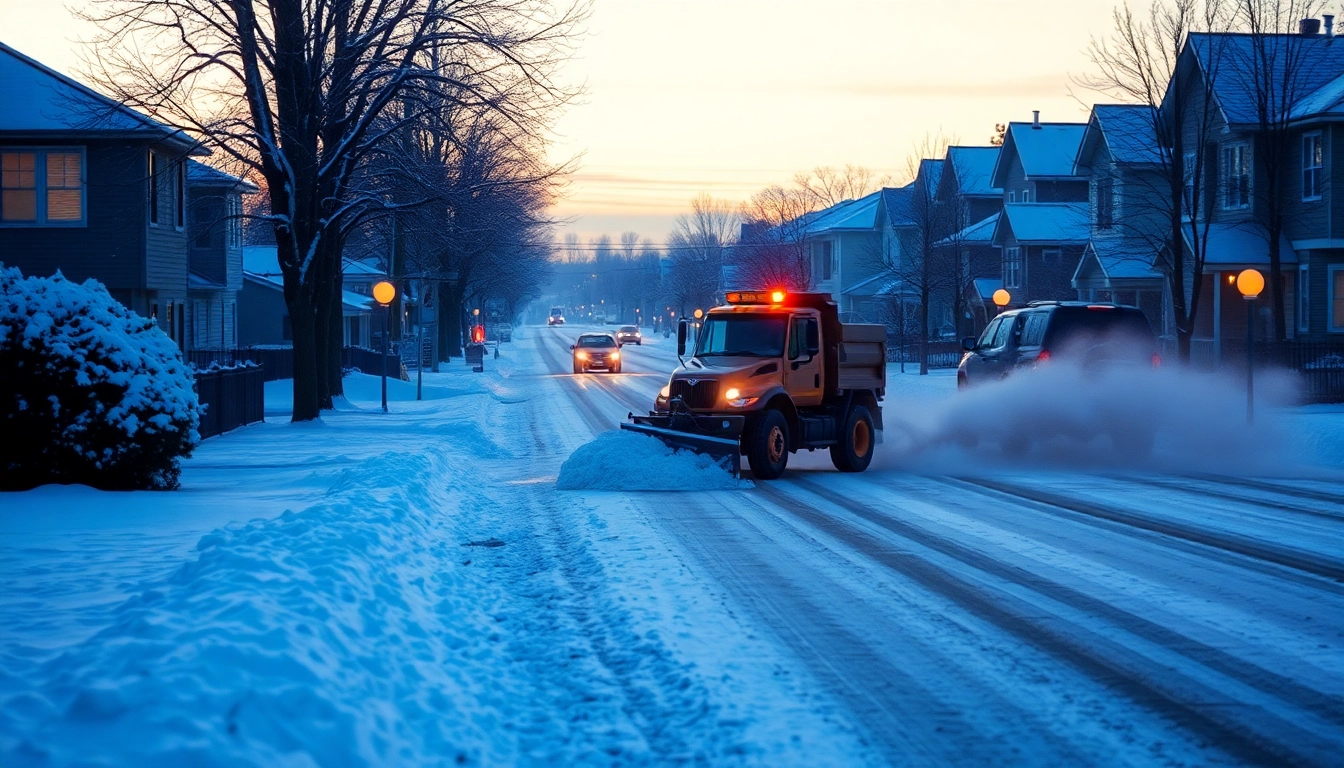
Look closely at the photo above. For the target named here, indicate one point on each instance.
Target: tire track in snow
(1255, 736)
(1209, 488)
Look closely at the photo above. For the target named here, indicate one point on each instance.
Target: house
(844, 243)
(215, 256)
(1042, 230)
(94, 189)
(265, 316)
(1129, 227)
(973, 203)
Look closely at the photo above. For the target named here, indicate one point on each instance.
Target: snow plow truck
(772, 373)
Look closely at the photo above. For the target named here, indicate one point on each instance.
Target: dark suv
(1085, 333)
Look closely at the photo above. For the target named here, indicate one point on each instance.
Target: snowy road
(412, 589)
(1035, 618)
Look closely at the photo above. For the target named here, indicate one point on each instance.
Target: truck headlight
(732, 394)
(665, 392)
(734, 398)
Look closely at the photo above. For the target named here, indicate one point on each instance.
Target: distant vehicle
(629, 334)
(1085, 333)
(557, 316)
(596, 352)
(503, 332)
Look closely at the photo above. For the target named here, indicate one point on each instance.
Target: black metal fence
(942, 354)
(278, 362)
(372, 361)
(230, 397)
(1318, 365)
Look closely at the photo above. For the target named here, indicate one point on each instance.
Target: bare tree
(303, 92)
(1141, 63)
(773, 247)
(829, 186)
(697, 247)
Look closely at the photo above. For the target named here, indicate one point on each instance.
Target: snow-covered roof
(1241, 244)
(866, 287)
(986, 286)
(1047, 150)
(1053, 223)
(1317, 62)
(1116, 261)
(847, 215)
(200, 174)
(973, 170)
(350, 301)
(1128, 131)
(264, 261)
(930, 173)
(896, 202)
(197, 282)
(39, 101)
(979, 233)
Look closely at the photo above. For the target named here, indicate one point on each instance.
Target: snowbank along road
(432, 597)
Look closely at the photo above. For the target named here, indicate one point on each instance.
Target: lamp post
(383, 293)
(1001, 299)
(1250, 283)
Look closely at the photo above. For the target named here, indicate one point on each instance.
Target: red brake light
(1044, 356)
(1099, 306)
(1157, 360)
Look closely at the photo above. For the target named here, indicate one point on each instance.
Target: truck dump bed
(863, 356)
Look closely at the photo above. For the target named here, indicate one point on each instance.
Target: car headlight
(615, 355)
(665, 392)
(581, 355)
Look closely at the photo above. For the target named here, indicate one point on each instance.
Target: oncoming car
(1086, 334)
(596, 352)
(629, 334)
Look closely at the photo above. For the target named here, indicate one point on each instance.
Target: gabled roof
(200, 174)
(1241, 244)
(930, 173)
(1127, 131)
(979, 233)
(264, 261)
(848, 215)
(896, 202)
(986, 286)
(39, 101)
(866, 287)
(350, 301)
(972, 170)
(1044, 223)
(1317, 64)
(1115, 261)
(1046, 151)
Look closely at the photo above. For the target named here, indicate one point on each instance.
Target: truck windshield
(742, 336)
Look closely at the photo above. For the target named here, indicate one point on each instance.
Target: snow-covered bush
(90, 392)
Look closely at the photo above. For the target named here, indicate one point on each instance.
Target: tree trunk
(924, 335)
(1276, 284)
(303, 322)
(335, 338)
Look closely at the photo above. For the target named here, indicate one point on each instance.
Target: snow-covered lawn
(380, 589)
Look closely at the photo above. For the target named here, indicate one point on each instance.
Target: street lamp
(1250, 283)
(383, 293)
(1001, 299)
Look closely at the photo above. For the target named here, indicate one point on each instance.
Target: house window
(1026, 195)
(233, 313)
(1105, 203)
(1313, 165)
(42, 187)
(1236, 176)
(154, 163)
(1012, 197)
(1336, 298)
(823, 255)
(1190, 206)
(1304, 298)
(234, 227)
(1012, 268)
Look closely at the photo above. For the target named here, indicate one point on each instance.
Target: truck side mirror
(968, 343)
(681, 337)
(812, 339)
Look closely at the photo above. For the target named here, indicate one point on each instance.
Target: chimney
(1309, 27)
(1329, 25)
(1035, 118)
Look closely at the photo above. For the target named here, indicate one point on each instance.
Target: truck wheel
(854, 451)
(767, 445)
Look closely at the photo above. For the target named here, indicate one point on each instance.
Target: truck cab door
(802, 366)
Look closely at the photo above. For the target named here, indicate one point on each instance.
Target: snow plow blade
(718, 437)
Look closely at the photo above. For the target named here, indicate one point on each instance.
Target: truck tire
(853, 452)
(767, 445)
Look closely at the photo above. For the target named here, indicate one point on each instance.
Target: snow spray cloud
(1065, 416)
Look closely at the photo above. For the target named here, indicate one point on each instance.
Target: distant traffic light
(478, 334)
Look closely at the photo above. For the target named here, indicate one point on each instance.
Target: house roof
(1241, 244)
(847, 215)
(350, 301)
(896, 201)
(986, 286)
(200, 174)
(979, 233)
(1127, 130)
(1317, 63)
(973, 170)
(866, 287)
(1047, 150)
(930, 173)
(39, 101)
(1062, 223)
(1116, 261)
(264, 261)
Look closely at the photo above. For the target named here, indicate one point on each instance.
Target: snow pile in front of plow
(624, 461)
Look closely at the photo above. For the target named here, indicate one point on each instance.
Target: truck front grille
(703, 395)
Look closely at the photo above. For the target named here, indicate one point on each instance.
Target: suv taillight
(1044, 356)
(1157, 360)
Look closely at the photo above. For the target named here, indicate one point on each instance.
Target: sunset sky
(727, 96)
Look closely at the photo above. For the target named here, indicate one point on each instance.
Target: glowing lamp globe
(1001, 298)
(1250, 282)
(384, 292)
(699, 314)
